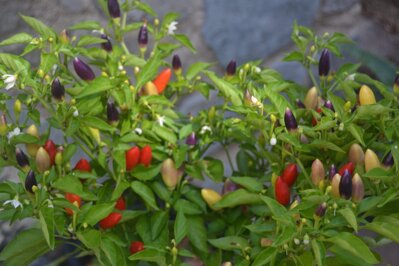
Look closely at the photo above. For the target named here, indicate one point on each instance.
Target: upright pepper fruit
(72, 198)
(349, 166)
(82, 165)
(51, 149)
(231, 68)
(132, 158)
(345, 185)
(324, 63)
(176, 64)
(113, 9)
(282, 191)
(371, 160)
(162, 80)
(32, 148)
(22, 159)
(107, 45)
(136, 246)
(211, 197)
(30, 182)
(83, 70)
(120, 204)
(43, 161)
(366, 96)
(290, 174)
(146, 156)
(111, 220)
(290, 121)
(57, 90)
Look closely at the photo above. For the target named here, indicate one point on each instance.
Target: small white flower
(14, 133)
(273, 141)
(76, 113)
(9, 80)
(50, 204)
(257, 70)
(254, 100)
(205, 129)
(161, 120)
(351, 77)
(138, 131)
(121, 68)
(306, 241)
(15, 203)
(172, 27)
(297, 241)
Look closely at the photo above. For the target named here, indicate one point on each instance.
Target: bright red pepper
(349, 166)
(282, 191)
(314, 120)
(72, 198)
(83, 165)
(111, 220)
(51, 149)
(162, 80)
(146, 155)
(290, 174)
(120, 204)
(136, 246)
(132, 158)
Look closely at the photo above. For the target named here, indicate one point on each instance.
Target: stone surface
(249, 30)
(330, 7)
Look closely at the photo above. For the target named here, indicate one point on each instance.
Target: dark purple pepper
(345, 185)
(57, 89)
(289, 120)
(21, 157)
(30, 181)
(300, 104)
(191, 139)
(83, 70)
(229, 186)
(113, 8)
(176, 63)
(112, 113)
(107, 46)
(143, 37)
(328, 104)
(321, 210)
(388, 160)
(332, 171)
(231, 68)
(324, 63)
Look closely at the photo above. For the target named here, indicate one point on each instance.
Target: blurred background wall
(244, 30)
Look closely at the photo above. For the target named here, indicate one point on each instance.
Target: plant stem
(228, 157)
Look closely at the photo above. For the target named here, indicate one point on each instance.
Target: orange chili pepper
(162, 80)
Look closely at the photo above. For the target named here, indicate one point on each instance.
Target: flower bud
(64, 36)
(58, 158)
(170, 174)
(17, 108)
(191, 139)
(32, 148)
(107, 45)
(228, 186)
(357, 188)
(356, 154)
(266, 242)
(311, 98)
(328, 104)
(388, 160)
(95, 133)
(112, 114)
(332, 172)
(83, 70)
(300, 104)
(336, 180)
(247, 97)
(366, 96)
(150, 89)
(324, 63)
(57, 90)
(318, 172)
(30, 181)
(371, 160)
(176, 64)
(321, 210)
(231, 68)
(303, 139)
(345, 185)
(396, 85)
(3, 125)
(43, 161)
(22, 159)
(290, 121)
(142, 38)
(211, 197)
(113, 9)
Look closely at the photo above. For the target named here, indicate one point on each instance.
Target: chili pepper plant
(315, 166)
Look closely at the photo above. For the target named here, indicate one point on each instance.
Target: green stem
(228, 157)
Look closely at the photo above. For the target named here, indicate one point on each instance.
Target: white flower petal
(161, 120)
(138, 131)
(273, 141)
(76, 113)
(172, 27)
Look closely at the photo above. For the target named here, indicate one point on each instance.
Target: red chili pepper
(136, 246)
(132, 158)
(146, 156)
(51, 149)
(72, 198)
(314, 120)
(83, 165)
(290, 174)
(120, 204)
(349, 166)
(282, 191)
(162, 80)
(111, 220)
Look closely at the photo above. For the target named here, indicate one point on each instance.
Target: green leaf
(144, 173)
(180, 227)
(195, 69)
(165, 133)
(226, 88)
(17, 38)
(187, 207)
(318, 251)
(371, 111)
(158, 221)
(322, 144)
(386, 229)
(150, 255)
(73, 185)
(265, 257)
(120, 187)
(278, 101)
(379, 174)
(149, 71)
(236, 198)
(145, 8)
(294, 56)
(92, 121)
(24, 248)
(46, 216)
(87, 40)
(47, 61)
(14, 63)
(197, 233)
(69, 151)
(39, 27)
(354, 245)
(86, 25)
(145, 193)
(90, 238)
(24, 138)
(250, 183)
(357, 132)
(133, 60)
(214, 169)
(112, 251)
(98, 85)
(98, 212)
(350, 217)
(276, 208)
(229, 243)
(183, 39)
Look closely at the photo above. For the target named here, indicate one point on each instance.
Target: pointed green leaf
(145, 193)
